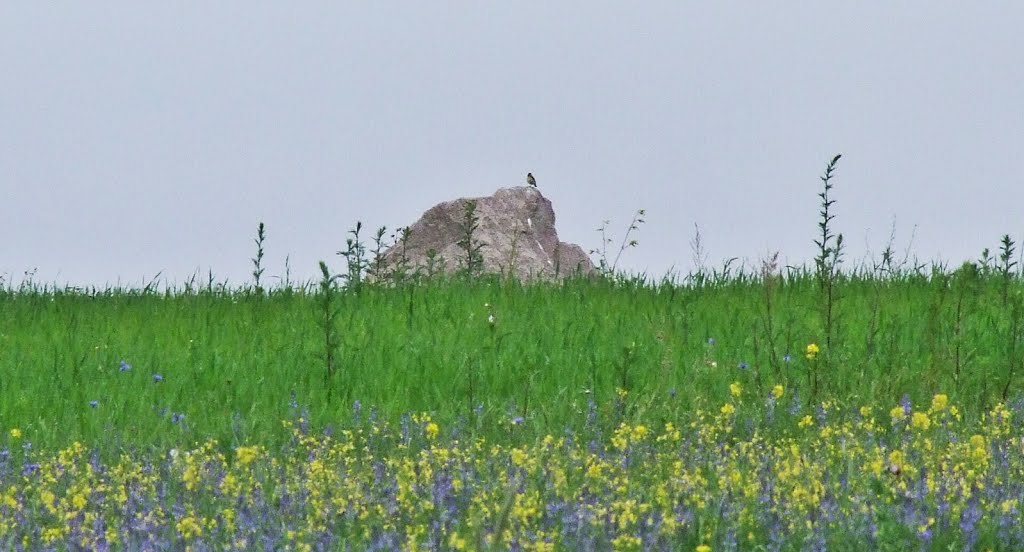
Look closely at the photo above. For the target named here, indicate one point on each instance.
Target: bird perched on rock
(531, 180)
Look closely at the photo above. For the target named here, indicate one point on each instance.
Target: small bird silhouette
(531, 180)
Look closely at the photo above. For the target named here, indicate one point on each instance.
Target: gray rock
(516, 228)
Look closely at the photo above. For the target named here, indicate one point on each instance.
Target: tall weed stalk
(328, 325)
(830, 247)
(257, 261)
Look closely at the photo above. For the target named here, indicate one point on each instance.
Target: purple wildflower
(905, 403)
(29, 468)
(969, 520)
(794, 406)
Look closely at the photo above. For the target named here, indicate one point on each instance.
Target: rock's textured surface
(516, 226)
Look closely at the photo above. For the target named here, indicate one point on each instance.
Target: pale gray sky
(138, 137)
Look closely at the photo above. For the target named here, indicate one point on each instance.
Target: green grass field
(234, 364)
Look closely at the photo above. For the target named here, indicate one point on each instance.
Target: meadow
(131, 369)
(775, 408)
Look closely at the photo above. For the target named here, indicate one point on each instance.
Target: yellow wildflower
(939, 402)
(229, 485)
(896, 459)
(954, 412)
(15, 433)
(626, 542)
(432, 430)
(728, 409)
(246, 455)
(456, 542)
(897, 414)
(189, 527)
(52, 534)
(778, 391)
(812, 351)
(703, 548)
(79, 501)
(735, 390)
(920, 421)
(519, 457)
(979, 449)
(806, 421)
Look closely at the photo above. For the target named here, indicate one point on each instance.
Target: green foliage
(257, 261)
(472, 260)
(830, 250)
(329, 326)
(609, 268)
(491, 346)
(355, 259)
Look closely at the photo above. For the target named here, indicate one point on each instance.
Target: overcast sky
(143, 137)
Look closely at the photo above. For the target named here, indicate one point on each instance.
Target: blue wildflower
(743, 366)
(176, 417)
(158, 378)
(517, 420)
(94, 404)
(124, 366)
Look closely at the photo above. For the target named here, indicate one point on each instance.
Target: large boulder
(516, 228)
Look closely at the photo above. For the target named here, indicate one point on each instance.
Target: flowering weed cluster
(837, 478)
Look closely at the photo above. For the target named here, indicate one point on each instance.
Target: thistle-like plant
(328, 318)
(400, 269)
(472, 261)
(355, 259)
(830, 248)
(378, 265)
(1006, 264)
(257, 267)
